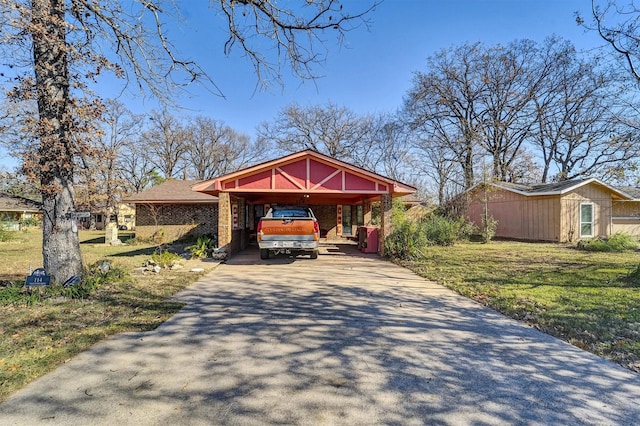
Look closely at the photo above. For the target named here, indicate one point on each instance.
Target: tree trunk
(60, 245)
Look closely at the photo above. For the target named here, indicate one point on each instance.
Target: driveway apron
(345, 339)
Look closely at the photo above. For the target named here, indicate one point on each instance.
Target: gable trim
(561, 191)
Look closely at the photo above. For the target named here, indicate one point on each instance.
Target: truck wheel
(314, 254)
(264, 254)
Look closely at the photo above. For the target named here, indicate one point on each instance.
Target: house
(230, 206)
(172, 210)
(124, 217)
(562, 211)
(340, 195)
(14, 208)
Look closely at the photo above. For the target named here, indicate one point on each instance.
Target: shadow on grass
(147, 251)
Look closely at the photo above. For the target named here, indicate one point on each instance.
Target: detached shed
(173, 210)
(561, 212)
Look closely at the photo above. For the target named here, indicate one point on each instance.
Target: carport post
(224, 221)
(242, 206)
(386, 225)
(366, 210)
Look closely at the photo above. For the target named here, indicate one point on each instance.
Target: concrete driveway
(342, 340)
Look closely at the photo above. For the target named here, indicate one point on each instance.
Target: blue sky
(371, 71)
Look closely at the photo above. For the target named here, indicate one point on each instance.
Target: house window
(586, 220)
(360, 215)
(346, 220)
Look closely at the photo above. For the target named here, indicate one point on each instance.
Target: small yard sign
(79, 215)
(38, 277)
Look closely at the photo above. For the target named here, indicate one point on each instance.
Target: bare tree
(165, 143)
(330, 129)
(443, 106)
(618, 23)
(60, 45)
(213, 148)
(15, 184)
(121, 128)
(391, 150)
(437, 164)
(584, 121)
(135, 170)
(513, 74)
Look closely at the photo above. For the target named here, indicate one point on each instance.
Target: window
(586, 220)
(346, 220)
(360, 215)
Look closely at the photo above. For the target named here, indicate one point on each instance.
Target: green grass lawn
(589, 299)
(37, 338)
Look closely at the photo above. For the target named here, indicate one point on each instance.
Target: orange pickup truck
(289, 230)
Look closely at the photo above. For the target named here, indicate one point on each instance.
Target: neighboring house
(562, 212)
(172, 210)
(124, 217)
(14, 208)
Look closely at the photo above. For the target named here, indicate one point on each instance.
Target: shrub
(489, 226)
(406, 241)
(203, 246)
(6, 235)
(165, 259)
(443, 231)
(27, 222)
(618, 242)
(409, 238)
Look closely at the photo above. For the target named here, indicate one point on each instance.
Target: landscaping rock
(197, 270)
(157, 269)
(219, 254)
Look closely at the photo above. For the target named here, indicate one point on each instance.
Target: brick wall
(176, 220)
(327, 216)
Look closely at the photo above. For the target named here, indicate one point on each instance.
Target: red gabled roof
(307, 172)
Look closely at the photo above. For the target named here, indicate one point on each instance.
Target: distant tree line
(524, 111)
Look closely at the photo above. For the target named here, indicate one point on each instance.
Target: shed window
(586, 220)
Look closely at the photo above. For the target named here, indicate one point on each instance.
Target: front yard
(590, 299)
(37, 338)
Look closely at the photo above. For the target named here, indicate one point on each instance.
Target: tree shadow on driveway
(353, 340)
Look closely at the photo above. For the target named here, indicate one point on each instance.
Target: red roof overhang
(305, 177)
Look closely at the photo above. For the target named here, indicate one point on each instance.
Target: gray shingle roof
(634, 191)
(171, 191)
(534, 188)
(14, 203)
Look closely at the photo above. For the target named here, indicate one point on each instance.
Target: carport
(340, 194)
